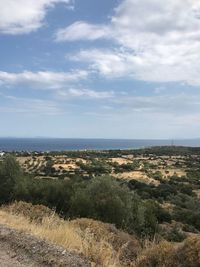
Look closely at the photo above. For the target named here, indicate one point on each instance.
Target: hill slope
(22, 250)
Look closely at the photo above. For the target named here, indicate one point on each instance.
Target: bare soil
(18, 249)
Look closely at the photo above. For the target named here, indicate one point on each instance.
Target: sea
(70, 144)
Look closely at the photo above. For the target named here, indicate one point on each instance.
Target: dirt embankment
(21, 250)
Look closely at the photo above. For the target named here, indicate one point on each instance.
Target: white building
(2, 154)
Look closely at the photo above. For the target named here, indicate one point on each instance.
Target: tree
(103, 199)
(9, 174)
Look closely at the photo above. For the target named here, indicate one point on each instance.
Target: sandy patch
(197, 192)
(172, 172)
(22, 160)
(67, 167)
(138, 176)
(83, 160)
(120, 161)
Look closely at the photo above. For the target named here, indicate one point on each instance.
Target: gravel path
(21, 250)
(8, 258)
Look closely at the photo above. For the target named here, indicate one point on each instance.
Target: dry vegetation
(152, 195)
(137, 175)
(65, 165)
(165, 254)
(100, 243)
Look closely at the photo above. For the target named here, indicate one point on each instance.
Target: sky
(100, 69)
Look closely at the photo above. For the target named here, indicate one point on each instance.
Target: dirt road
(9, 258)
(21, 250)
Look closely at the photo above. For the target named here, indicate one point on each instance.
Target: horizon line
(96, 138)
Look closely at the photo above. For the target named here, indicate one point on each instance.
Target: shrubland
(101, 198)
(57, 207)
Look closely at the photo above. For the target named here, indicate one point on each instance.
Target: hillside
(19, 249)
(103, 218)
(47, 240)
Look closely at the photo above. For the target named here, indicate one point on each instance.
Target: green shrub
(103, 199)
(9, 175)
(176, 234)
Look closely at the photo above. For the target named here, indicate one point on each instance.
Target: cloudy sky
(102, 69)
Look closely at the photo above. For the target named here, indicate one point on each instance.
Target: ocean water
(58, 144)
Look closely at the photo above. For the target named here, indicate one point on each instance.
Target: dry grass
(39, 161)
(51, 228)
(189, 253)
(95, 240)
(170, 172)
(65, 166)
(125, 247)
(100, 243)
(120, 161)
(197, 192)
(157, 255)
(138, 176)
(166, 254)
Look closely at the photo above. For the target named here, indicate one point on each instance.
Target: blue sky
(101, 69)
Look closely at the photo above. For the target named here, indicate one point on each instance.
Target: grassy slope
(100, 243)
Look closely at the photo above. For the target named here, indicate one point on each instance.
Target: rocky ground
(21, 250)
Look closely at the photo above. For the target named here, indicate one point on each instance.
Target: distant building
(2, 154)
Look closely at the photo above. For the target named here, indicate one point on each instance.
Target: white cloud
(29, 106)
(159, 90)
(85, 93)
(41, 79)
(109, 63)
(24, 16)
(177, 104)
(82, 31)
(159, 41)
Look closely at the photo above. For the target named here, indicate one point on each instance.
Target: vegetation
(164, 211)
(102, 198)
(100, 243)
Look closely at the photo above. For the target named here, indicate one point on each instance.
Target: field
(123, 166)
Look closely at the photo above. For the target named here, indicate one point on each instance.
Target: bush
(176, 234)
(157, 256)
(143, 219)
(103, 199)
(188, 255)
(166, 254)
(9, 175)
(55, 194)
(35, 213)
